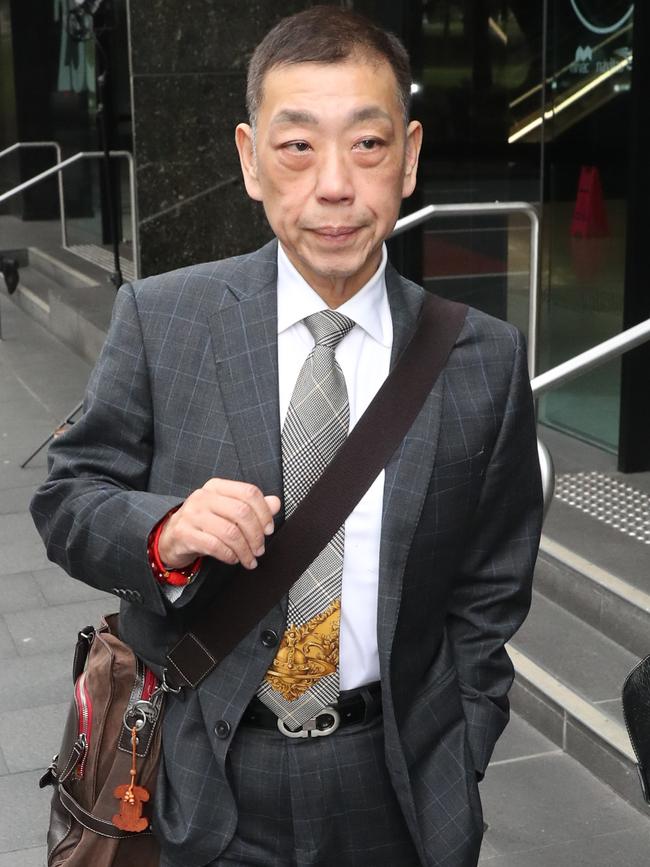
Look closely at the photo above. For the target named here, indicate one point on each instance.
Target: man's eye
(298, 146)
(367, 144)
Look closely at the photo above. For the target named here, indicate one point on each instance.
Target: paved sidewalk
(543, 808)
(41, 608)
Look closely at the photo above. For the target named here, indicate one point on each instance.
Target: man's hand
(224, 519)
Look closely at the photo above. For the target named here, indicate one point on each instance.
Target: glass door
(582, 125)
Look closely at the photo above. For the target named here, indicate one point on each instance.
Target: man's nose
(334, 180)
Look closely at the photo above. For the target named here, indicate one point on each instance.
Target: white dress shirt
(364, 357)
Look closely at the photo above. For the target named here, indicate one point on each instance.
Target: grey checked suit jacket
(185, 389)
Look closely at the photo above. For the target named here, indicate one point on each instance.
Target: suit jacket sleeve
(94, 511)
(492, 590)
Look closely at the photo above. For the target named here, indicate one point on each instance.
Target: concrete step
(568, 683)
(613, 606)
(73, 303)
(590, 619)
(33, 294)
(54, 266)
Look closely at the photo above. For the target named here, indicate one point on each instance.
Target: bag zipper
(85, 711)
(85, 715)
(150, 684)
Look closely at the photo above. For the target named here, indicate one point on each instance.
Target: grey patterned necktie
(304, 676)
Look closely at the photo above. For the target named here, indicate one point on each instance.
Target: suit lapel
(407, 473)
(244, 339)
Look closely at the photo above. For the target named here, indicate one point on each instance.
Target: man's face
(331, 161)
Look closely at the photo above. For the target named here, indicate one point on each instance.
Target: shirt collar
(368, 307)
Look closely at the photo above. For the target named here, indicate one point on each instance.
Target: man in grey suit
(181, 465)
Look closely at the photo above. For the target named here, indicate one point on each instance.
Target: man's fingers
(231, 531)
(274, 507)
(211, 546)
(230, 527)
(248, 494)
(224, 519)
(273, 503)
(243, 520)
(221, 540)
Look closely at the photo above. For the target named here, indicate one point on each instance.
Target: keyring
(137, 709)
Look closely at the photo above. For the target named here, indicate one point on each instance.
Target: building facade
(538, 101)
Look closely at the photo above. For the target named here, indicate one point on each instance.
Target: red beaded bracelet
(178, 577)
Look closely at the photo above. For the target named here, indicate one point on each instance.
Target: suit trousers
(315, 802)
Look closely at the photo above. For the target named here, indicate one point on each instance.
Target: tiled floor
(603, 544)
(41, 608)
(543, 809)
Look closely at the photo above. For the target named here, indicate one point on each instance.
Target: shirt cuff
(163, 574)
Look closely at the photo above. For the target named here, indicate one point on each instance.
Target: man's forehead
(371, 90)
(304, 117)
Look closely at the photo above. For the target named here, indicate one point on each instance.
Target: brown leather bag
(96, 756)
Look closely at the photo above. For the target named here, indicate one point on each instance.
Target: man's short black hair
(326, 34)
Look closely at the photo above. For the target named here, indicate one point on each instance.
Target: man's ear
(413, 145)
(247, 159)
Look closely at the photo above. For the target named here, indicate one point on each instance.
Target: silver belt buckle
(310, 729)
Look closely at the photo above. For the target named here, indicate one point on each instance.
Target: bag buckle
(324, 723)
(167, 687)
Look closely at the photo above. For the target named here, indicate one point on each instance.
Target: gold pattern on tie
(307, 653)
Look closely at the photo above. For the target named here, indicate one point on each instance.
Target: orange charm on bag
(131, 798)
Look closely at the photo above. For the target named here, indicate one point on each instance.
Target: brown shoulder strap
(251, 594)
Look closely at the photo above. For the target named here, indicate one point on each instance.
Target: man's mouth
(334, 232)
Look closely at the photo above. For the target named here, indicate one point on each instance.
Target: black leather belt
(353, 707)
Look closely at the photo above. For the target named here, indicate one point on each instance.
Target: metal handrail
(57, 147)
(574, 367)
(568, 370)
(594, 357)
(490, 209)
(547, 471)
(70, 161)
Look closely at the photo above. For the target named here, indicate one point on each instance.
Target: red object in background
(444, 258)
(589, 215)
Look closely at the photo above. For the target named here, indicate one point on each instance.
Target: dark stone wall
(188, 65)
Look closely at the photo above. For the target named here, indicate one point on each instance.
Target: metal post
(68, 420)
(64, 228)
(547, 469)
(135, 231)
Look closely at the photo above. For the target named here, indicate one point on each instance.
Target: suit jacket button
(137, 596)
(269, 638)
(222, 729)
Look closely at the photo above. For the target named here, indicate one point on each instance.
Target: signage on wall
(598, 17)
(601, 17)
(584, 63)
